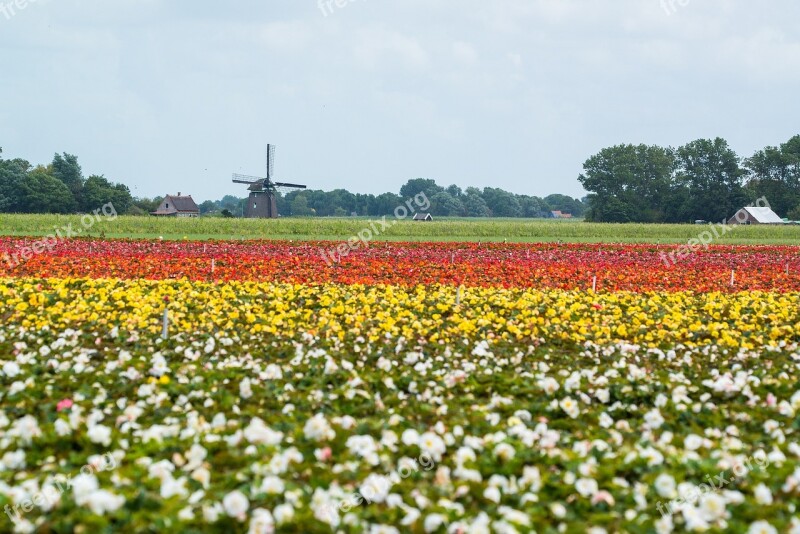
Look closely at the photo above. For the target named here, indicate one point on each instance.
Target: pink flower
(771, 400)
(64, 405)
(603, 496)
(323, 455)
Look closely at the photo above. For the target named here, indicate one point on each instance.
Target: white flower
(432, 445)
(25, 428)
(62, 428)
(504, 451)
(763, 495)
(653, 419)
(283, 513)
(665, 486)
(605, 420)
(570, 407)
(712, 506)
(693, 442)
(375, 488)
(549, 385)
(761, 527)
(492, 493)
(586, 486)
(245, 389)
(318, 429)
(159, 367)
(236, 505)
(433, 522)
(103, 501)
(171, 487)
(82, 488)
(262, 522)
(13, 461)
(410, 437)
(272, 485)
(11, 369)
(100, 434)
(272, 372)
(258, 433)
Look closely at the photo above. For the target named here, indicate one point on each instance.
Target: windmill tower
(262, 204)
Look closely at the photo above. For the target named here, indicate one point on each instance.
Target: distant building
(560, 215)
(177, 206)
(755, 215)
(423, 217)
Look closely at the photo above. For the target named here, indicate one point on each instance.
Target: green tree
(98, 191)
(444, 204)
(709, 170)
(66, 168)
(420, 185)
(208, 206)
(501, 203)
(300, 207)
(42, 193)
(630, 183)
(12, 172)
(474, 204)
(774, 173)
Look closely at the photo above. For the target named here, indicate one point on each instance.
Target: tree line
(451, 201)
(59, 187)
(702, 180)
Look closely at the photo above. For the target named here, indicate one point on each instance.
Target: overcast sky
(175, 95)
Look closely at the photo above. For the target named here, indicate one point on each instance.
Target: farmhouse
(755, 215)
(560, 215)
(177, 206)
(423, 217)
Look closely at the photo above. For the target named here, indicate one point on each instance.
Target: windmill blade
(295, 186)
(270, 161)
(244, 179)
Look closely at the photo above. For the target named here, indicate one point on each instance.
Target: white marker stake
(453, 257)
(204, 249)
(213, 265)
(165, 326)
(594, 285)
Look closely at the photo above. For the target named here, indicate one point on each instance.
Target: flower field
(405, 387)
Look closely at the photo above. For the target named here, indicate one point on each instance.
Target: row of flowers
(381, 409)
(435, 314)
(556, 266)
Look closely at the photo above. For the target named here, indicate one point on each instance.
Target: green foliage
(97, 192)
(338, 229)
(704, 179)
(38, 192)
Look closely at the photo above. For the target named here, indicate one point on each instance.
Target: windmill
(262, 200)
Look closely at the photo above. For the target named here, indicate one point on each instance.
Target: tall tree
(420, 185)
(710, 171)
(65, 167)
(97, 192)
(629, 183)
(42, 193)
(774, 173)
